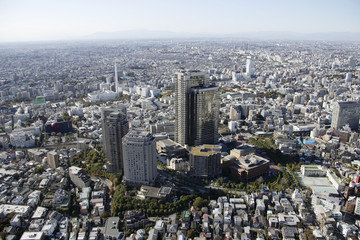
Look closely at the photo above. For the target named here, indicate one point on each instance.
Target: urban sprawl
(180, 139)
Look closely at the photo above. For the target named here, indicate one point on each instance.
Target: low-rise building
(162, 193)
(79, 177)
(335, 180)
(134, 219)
(112, 229)
(249, 167)
(33, 236)
(22, 210)
(242, 151)
(312, 171)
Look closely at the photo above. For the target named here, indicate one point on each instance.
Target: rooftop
(32, 236)
(206, 150)
(252, 161)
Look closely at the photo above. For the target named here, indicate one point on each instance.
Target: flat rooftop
(206, 150)
(317, 184)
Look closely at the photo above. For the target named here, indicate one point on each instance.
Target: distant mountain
(145, 34)
(332, 36)
(150, 34)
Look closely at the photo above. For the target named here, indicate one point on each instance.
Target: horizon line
(191, 35)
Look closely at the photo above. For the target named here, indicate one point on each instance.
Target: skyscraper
(116, 79)
(140, 157)
(249, 66)
(346, 113)
(204, 113)
(196, 109)
(115, 126)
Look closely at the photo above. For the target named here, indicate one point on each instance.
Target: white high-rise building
(232, 125)
(140, 157)
(116, 79)
(249, 66)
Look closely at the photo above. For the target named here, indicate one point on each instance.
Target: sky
(33, 20)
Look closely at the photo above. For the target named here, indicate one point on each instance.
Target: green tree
(200, 202)
(39, 170)
(192, 234)
(65, 116)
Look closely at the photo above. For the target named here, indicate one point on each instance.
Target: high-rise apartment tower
(140, 157)
(346, 113)
(115, 126)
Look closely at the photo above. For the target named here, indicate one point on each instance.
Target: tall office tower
(196, 109)
(205, 161)
(346, 113)
(115, 126)
(140, 157)
(116, 79)
(204, 114)
(249, 66)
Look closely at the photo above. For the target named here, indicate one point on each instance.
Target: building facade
(249, 167)
(205, 161)
(346, 113)
(115, 126)
(196, 109)
(204, 114)
(249, 66)
(53, 159)
(140, 158)
(312, 171)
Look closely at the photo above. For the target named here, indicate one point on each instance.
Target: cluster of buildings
(57, 102)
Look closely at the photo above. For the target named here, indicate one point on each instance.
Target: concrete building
(170, 148)
(196, 109)
(235, 112)
(162, 193)
(140, 157)
(249, 66)
(53, 159)
(249, 167)
(22, 210)
(232, 125)
(357, 206)
(115, 126)
(205, 161)
(134, 219)
(242, 151)
(312, 171)
(79, 177)
(177, 164)
(346, 113)
(164, 127)
(112, 229)
(335, 180)
(33, 236)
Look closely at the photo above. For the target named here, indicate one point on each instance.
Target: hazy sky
(23, 20)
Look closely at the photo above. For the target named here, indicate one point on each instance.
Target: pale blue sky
(24, 20)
